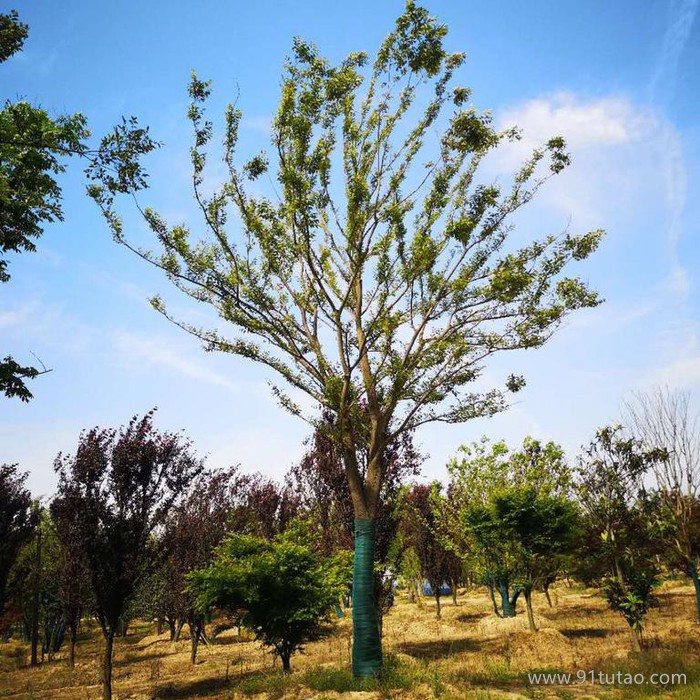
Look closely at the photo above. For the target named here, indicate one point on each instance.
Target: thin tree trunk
(71, 648)
(366, 648)
(438, 613)
(171, 626)
(693, 567)
(530, 615)
(418, 593)
(35, 600)
(178, 630)
(194, 641)
(159, 626)
(618, 571)
(453, 586)
(547, 596)
(107, 665)
(286, 666)
(492, 594)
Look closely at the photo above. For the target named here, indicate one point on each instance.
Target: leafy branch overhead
(396, 292)
(34, 148)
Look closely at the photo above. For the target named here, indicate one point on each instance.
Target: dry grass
(468, 654)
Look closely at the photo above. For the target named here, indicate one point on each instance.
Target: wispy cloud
(663, 78)
(18, 316)
(661, 88)
(163, 353)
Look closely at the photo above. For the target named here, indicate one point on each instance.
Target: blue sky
(618, 80)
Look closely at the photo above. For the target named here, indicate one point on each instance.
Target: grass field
(468, 654)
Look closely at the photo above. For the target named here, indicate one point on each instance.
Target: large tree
(381, 270)
(122, 484)
(34, 147)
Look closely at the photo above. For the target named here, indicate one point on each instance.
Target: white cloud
(164, 353)
(18, 316)
(583, 122)
(627, 167)
(680, 374)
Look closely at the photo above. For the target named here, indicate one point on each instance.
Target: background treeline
(138, 528)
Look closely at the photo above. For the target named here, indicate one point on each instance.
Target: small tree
(539, 526)
(418, 526)
(663, 418)
(73, 575)
(393, 295)
(281, 589)
(192, 531)
(122, 483)
(611, 492)
(482, 533)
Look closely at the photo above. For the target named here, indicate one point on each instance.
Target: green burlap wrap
(366, 644)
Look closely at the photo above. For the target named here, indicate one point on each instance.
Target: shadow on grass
(471, 617)
(273, 683)
(136, 658)
(193, 689)
(578, 611)
(438, 649)
(586, 633)
(224, 641)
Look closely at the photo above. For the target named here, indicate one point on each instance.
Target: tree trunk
(636, 634)
(507, 601)
(492, 594)
(453, 586)
(546, 595)
(159, 626)
(71, 648)
(286, 666)
(530, 615)
(194, 641)
(107, 665)
(171, 626)
(437, 604)
(418, 593)
(35, 599)
(367, 646)
(693, 568)
(178, 630)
